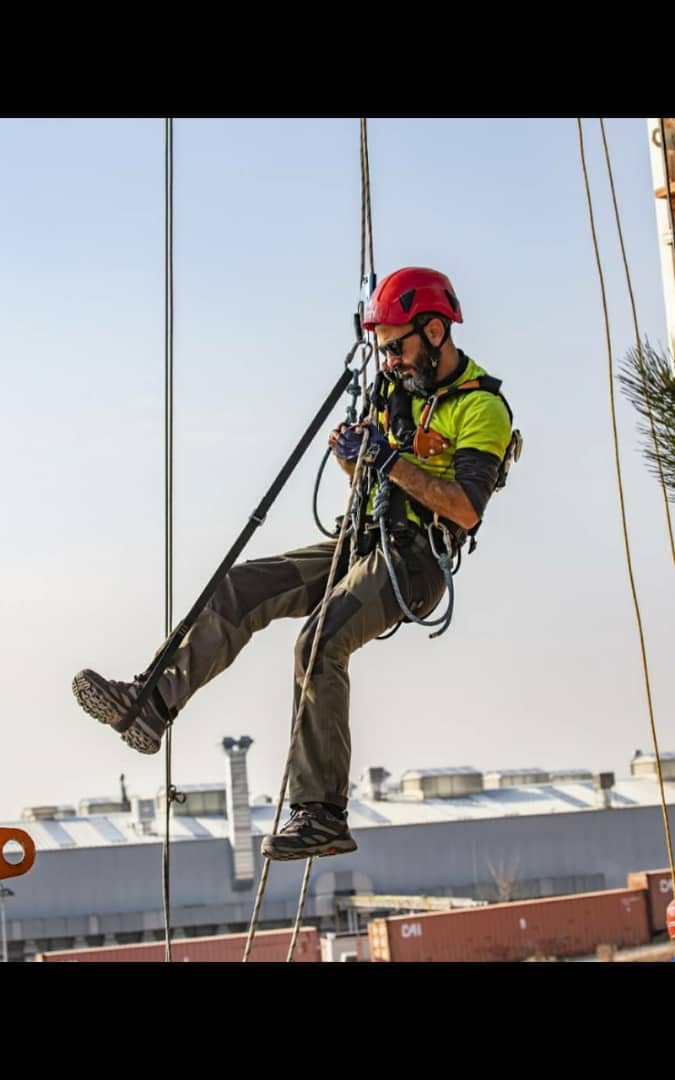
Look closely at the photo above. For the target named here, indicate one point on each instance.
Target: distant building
(97, 878)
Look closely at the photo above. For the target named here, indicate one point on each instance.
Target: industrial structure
(454, 833)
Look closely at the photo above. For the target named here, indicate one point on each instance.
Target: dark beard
(423, 379)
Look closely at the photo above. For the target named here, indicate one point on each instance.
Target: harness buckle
(513, 452)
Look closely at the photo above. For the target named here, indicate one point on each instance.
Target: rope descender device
(11, 869)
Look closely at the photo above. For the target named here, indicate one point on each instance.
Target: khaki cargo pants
(362, 606)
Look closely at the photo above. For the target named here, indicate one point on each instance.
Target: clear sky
(541, 665)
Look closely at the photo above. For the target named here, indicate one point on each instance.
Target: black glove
(379, 454)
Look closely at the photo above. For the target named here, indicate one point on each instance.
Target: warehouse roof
(101, 830)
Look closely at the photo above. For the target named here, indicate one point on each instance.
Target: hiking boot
(314, 829)
(110, 701)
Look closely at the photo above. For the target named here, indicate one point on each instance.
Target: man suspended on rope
(440, 447)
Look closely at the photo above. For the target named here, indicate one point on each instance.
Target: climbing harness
(387, 398)
(394, 404)
(421, 439)
(445, 559)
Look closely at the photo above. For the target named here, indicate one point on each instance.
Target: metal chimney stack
(239, 810)
(603, 782)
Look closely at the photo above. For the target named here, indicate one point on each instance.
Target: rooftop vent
(47, 813)
(603, 782)
(371, 782)
(239, 810)
(442, 783)
(196, 800)
(143, 812)
(645, 765)
(570, 776)
(503, 778)
(105, 805)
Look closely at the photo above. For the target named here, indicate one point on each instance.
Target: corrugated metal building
(98, 879)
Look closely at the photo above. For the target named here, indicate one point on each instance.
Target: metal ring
(367, 353)
(25, 841)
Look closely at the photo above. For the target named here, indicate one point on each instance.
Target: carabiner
(367, 353)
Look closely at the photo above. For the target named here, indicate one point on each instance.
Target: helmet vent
(406, 299)
(452, 300)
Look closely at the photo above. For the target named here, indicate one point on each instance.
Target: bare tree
(505, 875)
(648, 381)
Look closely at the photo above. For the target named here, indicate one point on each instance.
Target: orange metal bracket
(22, 838)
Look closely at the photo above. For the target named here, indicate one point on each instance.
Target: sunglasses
(395, 348)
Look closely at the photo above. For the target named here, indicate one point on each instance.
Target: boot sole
(94, 699)
(338, 847)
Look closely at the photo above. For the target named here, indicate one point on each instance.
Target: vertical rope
(168, 494)
(303, 696)
(366, 244)
(301, 907)
(617, 460)
(363, 204)
(366, 213)
(638, 343)
(367, 230)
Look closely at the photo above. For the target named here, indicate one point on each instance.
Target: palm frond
(647, 380)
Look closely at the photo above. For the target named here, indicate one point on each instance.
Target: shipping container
(659, 886)
(550, 927)
(345, 946)
(269, 946)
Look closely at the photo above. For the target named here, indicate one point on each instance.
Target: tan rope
(624, 526)
(168, 502)
(301, 908)
(366, 212)
(366, 243)
(356, 492)
(363, 206)
(303, 696)
(638, 343)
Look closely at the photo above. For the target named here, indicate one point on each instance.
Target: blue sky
(541, 665)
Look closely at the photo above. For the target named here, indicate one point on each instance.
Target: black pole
(256, 519)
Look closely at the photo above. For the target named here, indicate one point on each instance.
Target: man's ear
(435, 331)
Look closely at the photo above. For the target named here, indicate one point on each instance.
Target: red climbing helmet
(409, 292)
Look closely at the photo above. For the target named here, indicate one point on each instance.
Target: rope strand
(638, 342)
(355, 491)
(301, 908)
(300, 709)
(168, 497)
(617, 460)
(366, 208)
(303, 695)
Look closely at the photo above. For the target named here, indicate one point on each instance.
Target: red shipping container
(551, 927)
(659, 886)
(269, 946)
